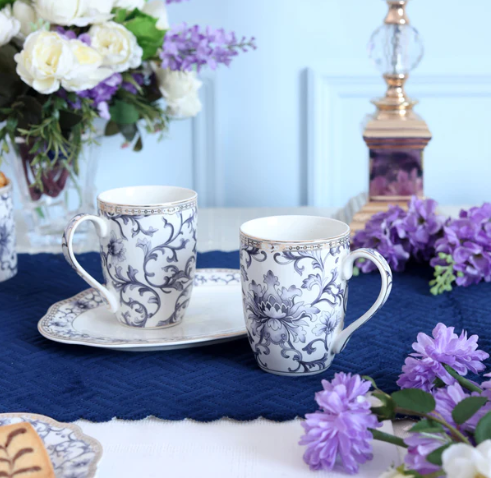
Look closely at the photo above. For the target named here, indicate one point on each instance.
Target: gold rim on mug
(298, 245)
(7, 188)
(169, 207)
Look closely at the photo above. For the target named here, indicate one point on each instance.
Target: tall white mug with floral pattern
(295, 272)
(8, 252)
(148, 252)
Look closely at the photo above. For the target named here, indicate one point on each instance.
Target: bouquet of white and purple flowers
(458, 249)
(452, 436)
(66, 63)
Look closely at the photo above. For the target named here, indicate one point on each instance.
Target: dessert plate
(72, 453)
(214, 315)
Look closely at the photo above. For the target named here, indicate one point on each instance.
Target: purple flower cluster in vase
(186, 47)
(398, 234)
(338, 435)
(102, 94)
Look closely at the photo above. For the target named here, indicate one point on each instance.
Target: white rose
(156, 9)
(465, 461)
(117, 45)
(180, 90)
(129, 4)
(74, 12)
(9, 25)
(25, 13)
(45, 60)
(87, 71)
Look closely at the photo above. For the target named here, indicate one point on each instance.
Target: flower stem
(386, 437)
(462, 381)
(453, 431)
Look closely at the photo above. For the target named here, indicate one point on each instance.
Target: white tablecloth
(225, 448)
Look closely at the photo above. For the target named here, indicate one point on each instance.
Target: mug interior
(295, 229)
(147, 196)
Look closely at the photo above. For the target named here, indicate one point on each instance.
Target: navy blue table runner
(69, 382)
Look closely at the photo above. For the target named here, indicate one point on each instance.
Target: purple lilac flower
(421, 227)
(445, 347)
(468, 241)
(448, 397)
(70, 35)
(419, 447)
(138, 78)
(103, 93)
(337, 436)
(381, 233)
(187, 47)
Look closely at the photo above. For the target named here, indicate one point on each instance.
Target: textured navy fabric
(68, 382)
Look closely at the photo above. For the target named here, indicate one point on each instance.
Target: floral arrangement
(458, 249)
(66, 63)
(452, 436)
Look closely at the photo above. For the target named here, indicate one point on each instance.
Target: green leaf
(68, 120)
(427, 426)
(128, 131)
(111, 129)
(467, 408)
(28, 111)
(148, 36)
(435, 456)
(120, 15)
(462, 381)
(123, 113)
(414, 400)
(138, 145)
(483, 429)
(4, 3)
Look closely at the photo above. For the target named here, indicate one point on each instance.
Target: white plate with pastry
(40, 447)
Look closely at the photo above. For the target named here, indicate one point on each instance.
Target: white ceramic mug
(148, 252)
(295, 272)
(8, 253)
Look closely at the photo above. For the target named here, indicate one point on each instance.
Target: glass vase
(64, 193)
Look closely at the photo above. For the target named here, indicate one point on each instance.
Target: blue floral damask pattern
(8, 254)
(163, 270)
(281, 318)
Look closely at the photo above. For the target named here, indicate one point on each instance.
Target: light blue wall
(281, 127)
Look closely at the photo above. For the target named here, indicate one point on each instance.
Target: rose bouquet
(66, 63)
(452, 435)
(459, 249)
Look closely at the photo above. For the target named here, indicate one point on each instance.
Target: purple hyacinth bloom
(445, 347)
(448, 397)
(381, 233)
(421, 227)
(186, 47)
(468, 241)
(337, 436)
(419, 447)
(102, 94)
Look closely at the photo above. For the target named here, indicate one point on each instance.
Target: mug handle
(67, 247)
(346, 273)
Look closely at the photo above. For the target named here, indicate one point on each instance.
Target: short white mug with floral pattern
(295, 272)
(148, 252)
(8, 251)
